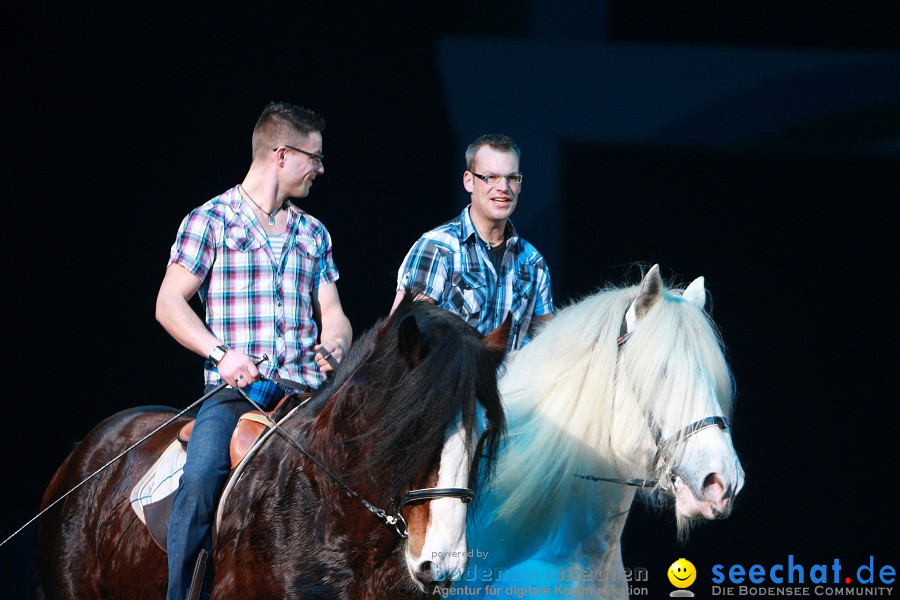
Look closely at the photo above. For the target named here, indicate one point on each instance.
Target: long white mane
(577, 404)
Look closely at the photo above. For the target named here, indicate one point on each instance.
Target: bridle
(665, 448)
(394, 521)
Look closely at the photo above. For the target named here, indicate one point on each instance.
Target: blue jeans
(205, 471)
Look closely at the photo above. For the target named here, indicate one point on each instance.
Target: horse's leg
(603, 550)
(91, 545)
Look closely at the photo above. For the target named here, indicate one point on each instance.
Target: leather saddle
(250, 426)
(154, 494)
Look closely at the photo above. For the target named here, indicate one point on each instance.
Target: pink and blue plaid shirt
(256, 302)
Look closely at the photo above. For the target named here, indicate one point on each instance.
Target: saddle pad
(160, 480)
(151, 498)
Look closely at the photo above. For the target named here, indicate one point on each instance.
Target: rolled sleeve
(543, 304)
(194, 247)
(327, 271)
(424, 270)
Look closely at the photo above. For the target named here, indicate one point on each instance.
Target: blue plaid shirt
(256, 302)
(450, 265)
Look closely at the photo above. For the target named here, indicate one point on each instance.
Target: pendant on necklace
(271, 220)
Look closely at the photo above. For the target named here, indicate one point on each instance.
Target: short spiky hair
(496, 141)
(279, 122)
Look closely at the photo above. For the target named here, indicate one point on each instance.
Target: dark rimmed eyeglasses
(513, 179)
(317, 157)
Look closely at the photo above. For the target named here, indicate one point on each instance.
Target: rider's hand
(238, 369)
(333, 347)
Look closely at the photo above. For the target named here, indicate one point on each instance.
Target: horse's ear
(497, 341)
(409, 340)
(696, 293)
(649, 294)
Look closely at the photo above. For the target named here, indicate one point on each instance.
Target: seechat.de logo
(797, 578)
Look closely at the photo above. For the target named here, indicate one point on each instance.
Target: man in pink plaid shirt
(264, 271)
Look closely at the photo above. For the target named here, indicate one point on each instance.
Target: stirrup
(199, 575)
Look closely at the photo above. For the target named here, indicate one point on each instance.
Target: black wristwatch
(218, 353)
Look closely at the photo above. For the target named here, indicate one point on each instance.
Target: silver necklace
(271, 215)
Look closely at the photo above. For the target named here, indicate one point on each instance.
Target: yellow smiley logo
(682, 573)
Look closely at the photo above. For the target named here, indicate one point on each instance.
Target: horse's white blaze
(444, 550)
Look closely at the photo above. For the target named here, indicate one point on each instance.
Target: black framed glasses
(513, 178)
(317, 157)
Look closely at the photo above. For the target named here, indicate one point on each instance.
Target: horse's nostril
(717, 494)
(714, 487)
(425, 572)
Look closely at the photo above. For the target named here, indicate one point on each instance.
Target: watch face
(217, 355)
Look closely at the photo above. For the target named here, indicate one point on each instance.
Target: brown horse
(412, 406)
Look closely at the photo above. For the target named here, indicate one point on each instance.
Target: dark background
(119, 122)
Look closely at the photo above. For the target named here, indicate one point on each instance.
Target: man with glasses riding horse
(476, 265)
(264, 270)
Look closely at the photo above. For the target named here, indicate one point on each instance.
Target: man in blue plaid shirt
(264, 270)
(476, 265)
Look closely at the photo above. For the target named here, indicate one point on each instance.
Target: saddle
(154, 494)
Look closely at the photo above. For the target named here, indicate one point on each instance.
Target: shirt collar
(467, 230)
(246, 211)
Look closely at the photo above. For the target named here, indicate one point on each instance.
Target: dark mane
(288, 527)
(402, 384)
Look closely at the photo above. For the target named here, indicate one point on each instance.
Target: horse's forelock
(677, 348)
(402, 409)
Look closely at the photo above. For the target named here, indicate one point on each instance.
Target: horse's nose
(430, 577)
(717, 497)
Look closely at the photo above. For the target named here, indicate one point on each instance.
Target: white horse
(628, 388)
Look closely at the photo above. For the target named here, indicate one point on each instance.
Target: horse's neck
(331, 428)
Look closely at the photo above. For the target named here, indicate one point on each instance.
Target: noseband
(665, 449)
(465, 495)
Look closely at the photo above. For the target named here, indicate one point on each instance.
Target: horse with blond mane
(628, 389)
